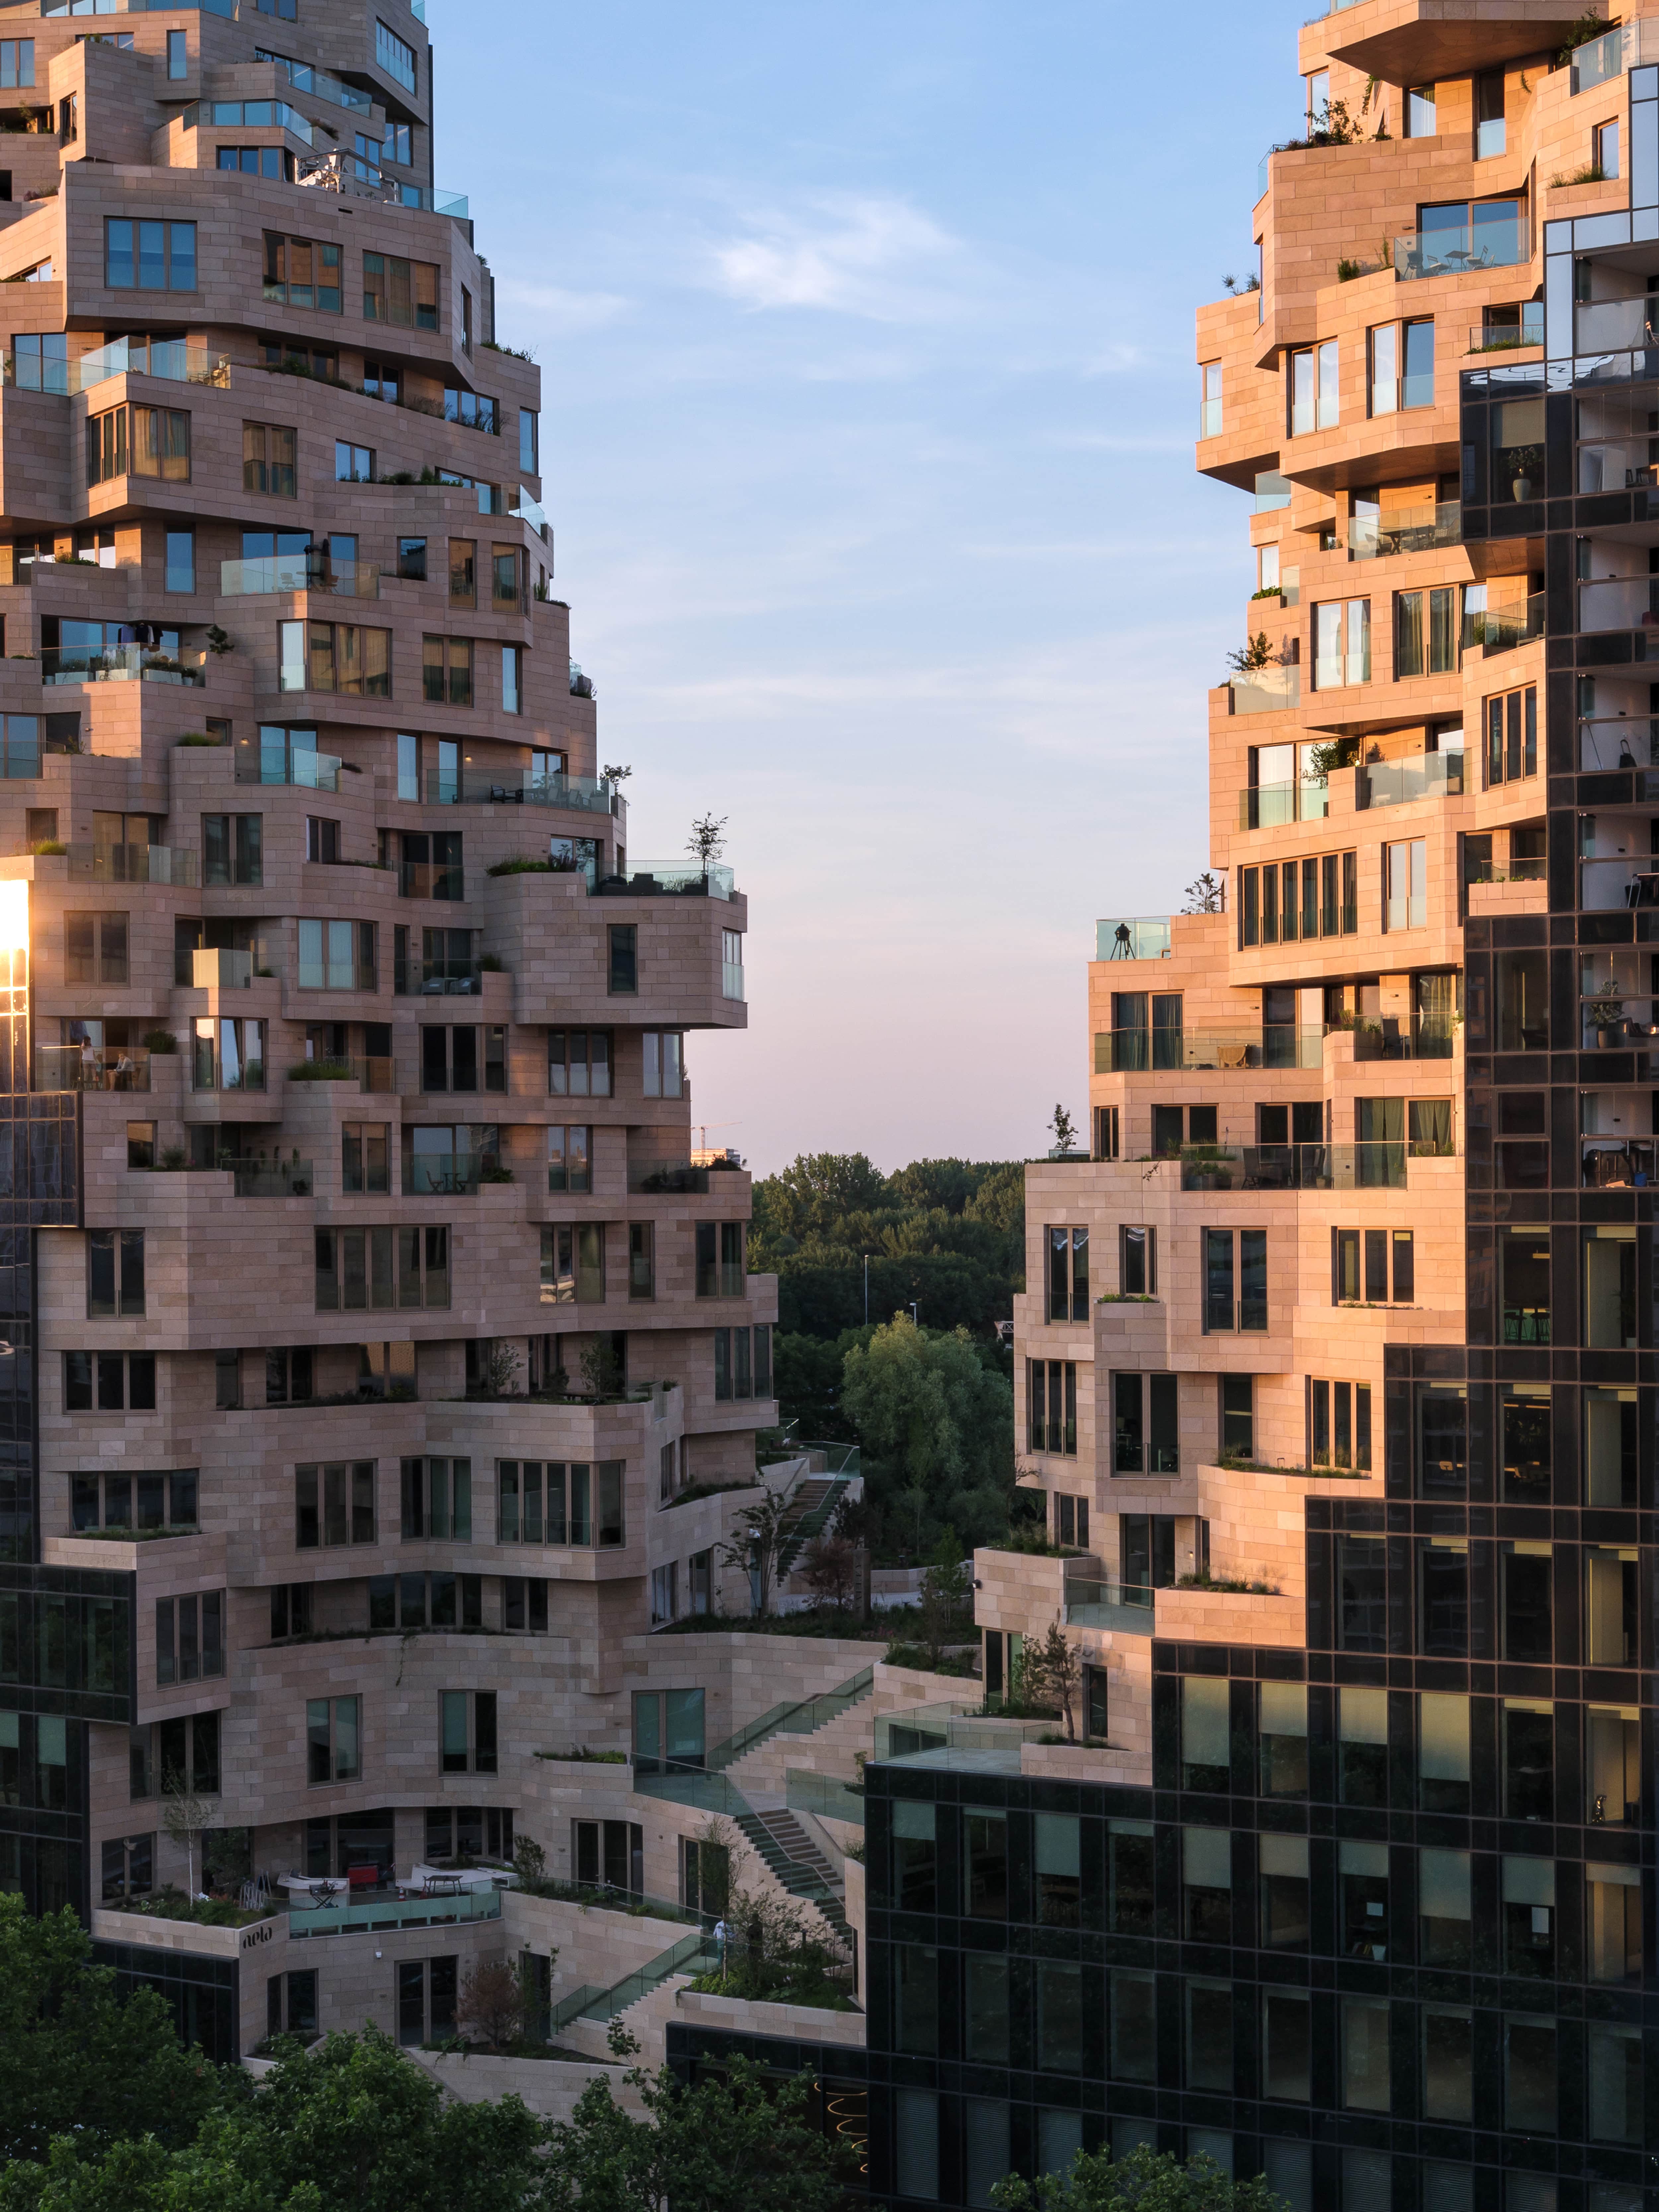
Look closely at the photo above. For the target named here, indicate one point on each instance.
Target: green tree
(936, 1427)
(1145, 2181)
(76, 2056)
(945, 1589)
(816, 1191)
(743, 2143)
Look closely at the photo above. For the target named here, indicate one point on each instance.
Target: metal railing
(133, 863)
(1499, 337)
(1397, 783)
(1139, 937)
(570, 794)
(1296, 1167)
(797, 1716)
(91, 1068)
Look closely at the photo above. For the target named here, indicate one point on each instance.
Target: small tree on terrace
(1053, 1671)
(945, 1587)
(492, 2005)
(1064, 1128)
(184, 1817)
(707, 841)
(763, 1530)
(828, 1569)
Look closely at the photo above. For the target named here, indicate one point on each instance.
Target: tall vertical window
(1235, 1280)
(1422, 120)
(17, 62)
(395, 56)
(115, 1273)
(1425, 639)
(1405, 884)
(1511, 736)
(178, 56)
(181, 560)
(512, 679)
(1209, 411)
(1313, 400)
(530, 441)
(1068, 1274)
(1342, 643)
(1606, 144)
(1051, 1405)
(333, 1740)
(1491, 135)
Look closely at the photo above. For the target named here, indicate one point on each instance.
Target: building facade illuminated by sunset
(1336, 1362)
(377, 1355)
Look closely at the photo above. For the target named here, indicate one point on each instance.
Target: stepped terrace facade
(1336, 1365)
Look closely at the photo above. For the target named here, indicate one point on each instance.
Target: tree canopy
(936, 1426)
(1144, 2181)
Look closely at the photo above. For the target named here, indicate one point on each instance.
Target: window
(569, 1155)
(610, 1855)
(109, 1381)
(1443, 1596)
(1605, 155)
(337, 956)
(1613, 1766)
(301, 273)
(1282, 1735)
(1612, 1635)
(467, 1731)
(1429, 649)
(1236, 1410)
(512, 679)
(623, 979)
(1529, 1755)
(1068, 1274)
(1609, 1287)
(530, 441)
(1365, 2086)
(1318, 896)
(1235, 1280)
(148, 256)
(1529, 2091)
(1489, 131)
(985, 2008)
(1525, 1442)
(446, 671)
(719, 1259)
(669, 1731)
(334, 657)
(1051, 1401)
(180, 558)
(1421, 121)
(1312, 389)
(557, 1502)
(1405, 884)
(322, 841)
(578, 1063)
(437, 1499)
(291, 1999)
(226, 1055)
(1612, 1923)
(178, 58)
(401, 293)
(1145, 1424)
(1522, 984)
(394, 56)
(1528, 1900)
(916, 2011)
(189, 1636)
(353, 464)
(1401, 366)
(411, 567)
(985, 1864)
(334, 1504)
(426, 1991)
(333, 1745)
(1442, 1752)
(133, 1501)
(1342, 643)
(737, 1373)
(1524, 1274)
(1204, 1738)
(573, 1263)
(1511, 736)
(233, 848)
(1134, 2028)
(377, 1269)
(290, 1375)
(1209, 2034)
(663, 1061)
(115, 1273)
(1137, 1263)
(17, 63)
(1340, 1421)
(731, 983)
(146, 441)
(1286, 2038)
(129, 1861)
(185, 1750)
(1209, 408)
(270, 458)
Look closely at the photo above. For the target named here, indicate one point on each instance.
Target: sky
(868, 401)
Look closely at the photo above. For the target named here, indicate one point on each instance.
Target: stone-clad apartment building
(1337, 1360)
(368, 1314)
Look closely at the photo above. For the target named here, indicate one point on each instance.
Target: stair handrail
(781, 1719)
(593, 2001)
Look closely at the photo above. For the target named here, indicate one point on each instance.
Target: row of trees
(102, 2110)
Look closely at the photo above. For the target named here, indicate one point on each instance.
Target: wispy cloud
(877, 257)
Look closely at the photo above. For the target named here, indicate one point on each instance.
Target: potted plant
(1205, 1167)
(1606, 1011)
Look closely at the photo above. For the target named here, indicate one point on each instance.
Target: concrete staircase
(796, 1864)
(811, 1508)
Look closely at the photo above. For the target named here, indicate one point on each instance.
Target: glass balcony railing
(1419, 1037)
(1609, 55)
(436, 979)
(444, 1175)
(264, 760)
(1091, 1604)
(1266, 690)
(1498, 629)
(391, 1911)
(227, 8)
(1629, 325)
(676, 1178)
(91, 1068)
(247, 115)
(687, 878)
(170, 359)
(1294, 1167)
(114, 663)
(1270, 806)
(571, 794)
(317, 82)
(294, 1178)
(431, 879)
(1618, 603)
(1504, 242)
(1616, 741)
(732, 985)
(1142, 937)
(1496, 336)
(1397, 783)
(1272, 492)
(294, 571)
(1407, 529)
(132, 864)
(1141, 1052)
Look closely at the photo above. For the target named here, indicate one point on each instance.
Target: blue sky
(866, 339)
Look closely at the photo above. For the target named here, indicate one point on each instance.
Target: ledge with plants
(172, 1904)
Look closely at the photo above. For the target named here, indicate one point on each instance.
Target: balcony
(431, 879)
(294, 1178)
(1270, 805)
(1139, 1052)
(1422, 1037)
(675, 1178)
(1498, 629)
(1618, 603)
(450, 1174)
(1143, 937)
(1104, 1604)
(114, 663)
(1266, 690)
(171, 359)
(1294, 1167)
(1398, 783)
(392, 1911)
(1496, 336)
(91, 1068)
(571, 794)
(317, 82)
(296, 572)
(375, 1072)
(1609, 1165)
(132, 864)
(1503, 242)
(1603, 59)
(1615, 464)
(1408, 530)
(1604, 886)
(1609, 742)
(246, 114)
(666, 879)
(221, 969)
(264, 760)
(414, 978)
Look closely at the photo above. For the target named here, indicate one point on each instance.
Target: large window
(1425, 639)
(226, 1055)
(134, 1501)
(1610, 1281)
(578, 1063)
(334, 1504)
(1342, 643)
(437, 1499)
(743, 1359)
(1375, 1266)
(149, 256)
(1339, 1424)
(141, 441)
(573, 1263)
(1235, 1280)
(232, 849)
(1405, 884)
(189, 1636)
(337, 956)
(1401, 365)
(1511, 736)
(719, 1259)
(395, 56)
(1051, 1405)
(403, 293)
(301, 273)
(109, 1381)
(115, 1273)
(663, 1063)
(1145, 1424)
(340, 657)
(269, 459)
(1314, 397)
(333, 1740)
(467, 1727)
(557, 1502)
(446, 671)
(1318, 896)
(95, 948)
(377, 1269)
(1068, 1274)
